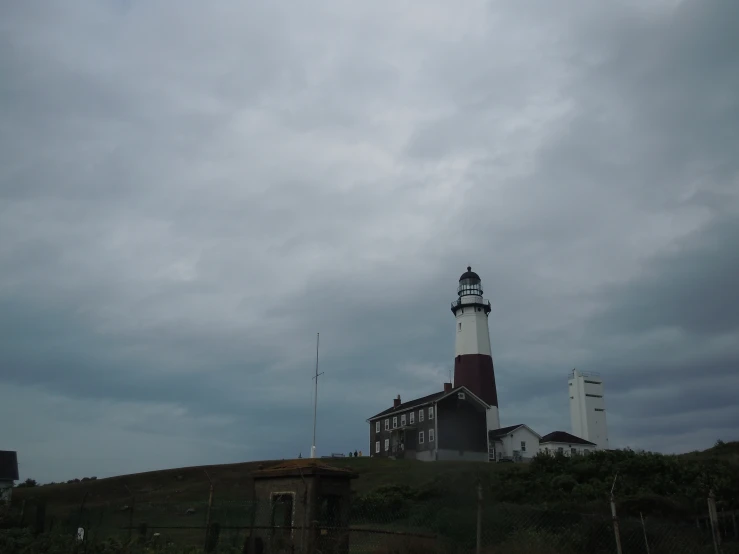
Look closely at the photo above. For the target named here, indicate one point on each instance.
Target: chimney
(447, 387)
(396, 402)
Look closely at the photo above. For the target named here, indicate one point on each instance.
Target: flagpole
(315, 400)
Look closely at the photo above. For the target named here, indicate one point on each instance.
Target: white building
(517, 442)
(588, 408)
(565, 444)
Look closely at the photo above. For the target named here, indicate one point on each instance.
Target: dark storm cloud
(691, 288)
(188, 193)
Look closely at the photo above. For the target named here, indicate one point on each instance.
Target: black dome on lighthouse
(469, 274)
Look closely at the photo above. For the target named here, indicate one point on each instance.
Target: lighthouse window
(460, 326)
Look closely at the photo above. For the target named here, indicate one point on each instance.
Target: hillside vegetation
(666, 485)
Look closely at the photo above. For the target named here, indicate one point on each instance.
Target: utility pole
(315, 399)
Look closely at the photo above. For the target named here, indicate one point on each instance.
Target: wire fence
(469, 524)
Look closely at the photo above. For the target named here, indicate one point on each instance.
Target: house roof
(496, 434)
(8, 465)
(468, 392)
(561, 436)
(427, 400)
(410, 404)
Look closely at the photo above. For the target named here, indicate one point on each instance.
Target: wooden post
(644, 528)
(479, 518)
(713, 516)
(79, 516)
(614, 517)
(207, 514)
(130, 513)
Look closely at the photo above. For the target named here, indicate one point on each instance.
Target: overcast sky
(190, 190)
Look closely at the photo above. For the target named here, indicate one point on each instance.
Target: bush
(28, 483)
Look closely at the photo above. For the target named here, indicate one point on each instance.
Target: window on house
(387, 424)
(420, 415)
(546, 449)
(420, 437)
(412, 417)
(402, 420)
(431, 435)
(395, 422)
(461, 395)
(377, 447)
(523, 446)
(573, 451)
(377, 427)
(585, 451)
(561, 450)
(431, 412)
(387, 445)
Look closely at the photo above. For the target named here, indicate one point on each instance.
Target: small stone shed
(301, 506)
(8, 474)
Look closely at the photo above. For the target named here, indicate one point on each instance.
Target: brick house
(447, 425)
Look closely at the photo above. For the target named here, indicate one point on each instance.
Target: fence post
(79, 516)
(207, 514)
(615, 518)
(479, 518)
(130, 513)
(644, 528)
(713, 516)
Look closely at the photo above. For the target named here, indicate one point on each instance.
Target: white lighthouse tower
(473, 360)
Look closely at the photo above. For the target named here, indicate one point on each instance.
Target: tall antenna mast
(315, 400)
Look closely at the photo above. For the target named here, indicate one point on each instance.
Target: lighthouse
(473, 359)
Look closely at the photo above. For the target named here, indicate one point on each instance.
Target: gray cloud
(188, 193)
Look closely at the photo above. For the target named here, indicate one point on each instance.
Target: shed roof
(8, 465)
(304, 468)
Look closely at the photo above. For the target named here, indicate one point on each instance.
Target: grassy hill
(664, 483)
(546, 497)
